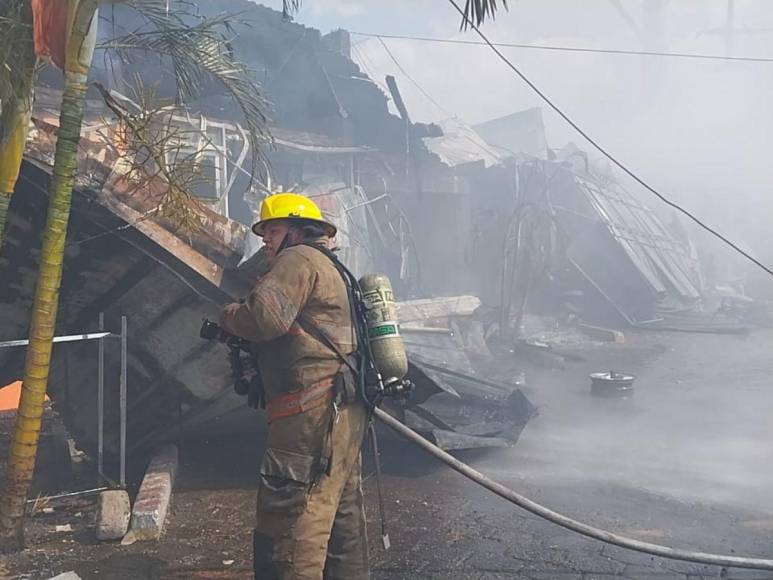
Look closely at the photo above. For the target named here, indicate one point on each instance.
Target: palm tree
(16, 79)
(197, 51)
(21, 461)
(11, 151)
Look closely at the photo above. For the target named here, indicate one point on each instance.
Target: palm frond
(17, 60)
(477, 11)
(156, 150)
(290, 7)
(199, 50)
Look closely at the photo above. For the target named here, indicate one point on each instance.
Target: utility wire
(116, 231)
(368, 67)
(603, 151)
(569, 48)
(410, 78)
(143, 217)
(429, 97)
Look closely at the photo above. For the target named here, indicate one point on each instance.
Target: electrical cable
(360, 59)
(562, 520)
(410, 78)
(687, 55)
(289, 56)
(603, 151)
(222, 298)
(430, 98)
(143, 217)
(366, 64)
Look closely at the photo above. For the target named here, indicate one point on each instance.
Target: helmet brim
(259, 227)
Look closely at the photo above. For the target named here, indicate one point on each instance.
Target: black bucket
(612, 384)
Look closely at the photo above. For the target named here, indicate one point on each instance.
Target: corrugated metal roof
(617, 243)
(521, 132)
(460, 144)
(665, 262)
(312, 142)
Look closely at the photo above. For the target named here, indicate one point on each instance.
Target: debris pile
(488, 220)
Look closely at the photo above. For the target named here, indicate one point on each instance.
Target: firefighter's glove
(228, 313)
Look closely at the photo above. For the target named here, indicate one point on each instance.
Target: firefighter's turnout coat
(310, 517)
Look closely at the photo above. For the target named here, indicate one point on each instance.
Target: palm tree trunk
(11, 152)
(21, 460)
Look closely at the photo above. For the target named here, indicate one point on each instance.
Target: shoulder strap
(349, 281)
(311, 328)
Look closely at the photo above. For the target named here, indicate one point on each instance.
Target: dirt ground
(685, 462)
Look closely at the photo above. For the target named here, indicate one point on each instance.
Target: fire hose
(562, 520)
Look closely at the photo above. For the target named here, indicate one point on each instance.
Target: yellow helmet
(290, 206)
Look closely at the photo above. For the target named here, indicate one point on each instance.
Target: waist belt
(300, 402)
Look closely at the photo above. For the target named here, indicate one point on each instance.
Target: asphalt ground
(685, 462)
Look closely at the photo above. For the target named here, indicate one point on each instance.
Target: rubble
(603, 334)
(608, 260)
(113, 513)
(151, 505)
(422, 311)
(452, 406)
(377, 177)
(165, 283)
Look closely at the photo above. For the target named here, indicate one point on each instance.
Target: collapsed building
(124, 257)
(486, 216)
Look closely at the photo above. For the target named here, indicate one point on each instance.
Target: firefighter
(310, 515)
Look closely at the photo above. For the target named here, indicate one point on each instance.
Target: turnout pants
(311, 524)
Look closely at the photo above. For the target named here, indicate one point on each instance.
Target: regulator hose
(562, 520)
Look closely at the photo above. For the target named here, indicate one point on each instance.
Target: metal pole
(65, 495)
(101, 401)
(123, 401)
(58, 339)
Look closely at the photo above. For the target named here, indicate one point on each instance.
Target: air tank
(383, 328)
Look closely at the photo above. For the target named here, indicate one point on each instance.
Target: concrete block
(419, 311)
(66, 576)
(152, 503)
(113, 513)
(601, 333)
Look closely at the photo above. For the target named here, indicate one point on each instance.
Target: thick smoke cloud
(698, 130)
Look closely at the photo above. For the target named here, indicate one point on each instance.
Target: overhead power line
(367, 66)
(410, 78)
(432, 100)
(603, 151)
(570, 48)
